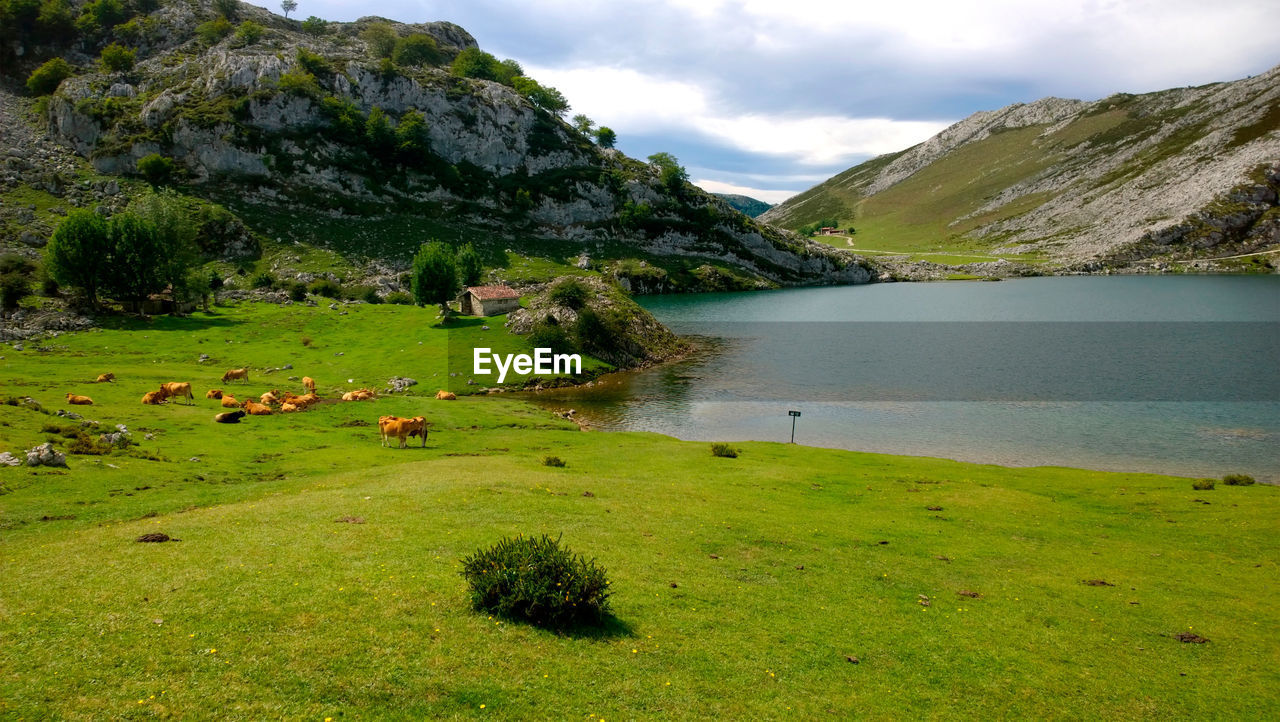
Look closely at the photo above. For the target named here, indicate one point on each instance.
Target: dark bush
(13, 263)
(1202, 484)
(552, 336)
(315, 26)
(297, 291)
(368, 294)
(724, 451)
(399, 298)
(570, 293)
(1238, 480)
(116, 58)
(264, 280)
(325, 287)
(536, 580)
(314, 63)
(155, 168)
(13, 288)
(555, 461)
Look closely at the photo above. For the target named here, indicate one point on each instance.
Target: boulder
(46, 455)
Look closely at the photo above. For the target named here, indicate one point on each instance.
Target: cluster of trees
(144, 250)
(672, 175)
(385, 43)
(57, 23)
(17, 275)
(439, 273)
(604, 135)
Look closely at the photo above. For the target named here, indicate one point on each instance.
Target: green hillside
(745, 204)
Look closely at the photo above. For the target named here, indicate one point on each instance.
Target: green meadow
(317, 573)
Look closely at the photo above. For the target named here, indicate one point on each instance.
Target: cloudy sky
(768, 97)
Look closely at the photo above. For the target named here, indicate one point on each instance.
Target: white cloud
(631, 102)
(768, 196)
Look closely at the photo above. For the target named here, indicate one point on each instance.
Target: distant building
(488, 300)
(828, 231)
(163, 302)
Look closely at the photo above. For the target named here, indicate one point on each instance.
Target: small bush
(1202, 484)
(13, 288)
(724, 451)
(536, 580)
(264, 280)
(213, 31)
(116, 58)
(48, 286)
(297, 291)
(368, 294)
(1238, 480)
(306, 340)
(325, 287)
(399, 298)
(155, 168)
(555, 461)
(46, 78)
(229, 9)
(315, 26)
(299, 82)
(314, 63)
(570, 293)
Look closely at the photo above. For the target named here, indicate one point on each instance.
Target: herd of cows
(276, 401)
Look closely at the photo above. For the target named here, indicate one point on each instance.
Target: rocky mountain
(1176, 175)
(745, 204)
(368, 138)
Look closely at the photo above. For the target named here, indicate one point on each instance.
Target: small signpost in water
(794, 415)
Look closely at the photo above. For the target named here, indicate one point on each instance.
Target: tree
(116, 58)
(417, 49)
(381, 39)
(250, 32)
(46, 78)
(288, 6)
(475, 63)
(378, 134)
(135, 263)
(315, 26)
(508, 70)
(605, 137)
(470, 267)
(412, 143)
(583, 124)
(435, 276)
(177, 236)
(155, 168)
(229, 9)
(549, 99)
(670, 172)
(76, 251)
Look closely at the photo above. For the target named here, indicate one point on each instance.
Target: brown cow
(213, 394)
(288, 408)
(358, 395)
(229, 417)
(153, 398)
(257, 409)
(241, 374)
(105, 378)
(389, 426)
(309, 384)
(270, 397)
(305, 401)
(229, 402)
(79, 400)
(178, 389)
(446, 395)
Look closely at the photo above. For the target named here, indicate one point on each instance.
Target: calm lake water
(1171, 374)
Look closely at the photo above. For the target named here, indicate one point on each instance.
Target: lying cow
(229, 402)
(153, 398)
(105, 378)
(236, 374)
(288, 408)
(256, 409)
(79, 400)
(443, 395)
(178, 390)
(358, 395)
(213, 394)
(271, 397)
(402, 429)
(229, 417)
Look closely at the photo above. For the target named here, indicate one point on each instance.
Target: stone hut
(488, 300)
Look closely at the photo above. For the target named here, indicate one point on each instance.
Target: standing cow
(178, 390)
(236, 374)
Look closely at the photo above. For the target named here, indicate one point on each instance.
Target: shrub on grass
(214, 30)
(1238, 480)
(297, 291)
(46, 78)
(13, 288)
(264, 280)
(1202, 484)
(724, 451)
(537, 580)
(399, 298)
(325, 287)
(116, 58)
(570, 293)
(555, 461)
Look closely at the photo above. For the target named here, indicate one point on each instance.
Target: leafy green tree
(378, 134)
(417, 49)
(549, 99)
(470, 267)
(299, 82)
(346, 119)
(381, 39)
(135, 264)
(177, 235)
(214, 30)
(288, 6)
(46, 78)
(412, 143)
(508, 70)
(605, 137)
(583, 124)
(250, 32)
(100, 16)
(670, 172)
(77, 250)
(156, 168)
(434, 278)
(315, 26)
(229, 9)
(475, 63)
(116, 58)
(314, 63)
(55, 20)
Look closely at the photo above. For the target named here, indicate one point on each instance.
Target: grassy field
(787, 583)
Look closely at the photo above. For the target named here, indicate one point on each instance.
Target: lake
(1169, 374)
